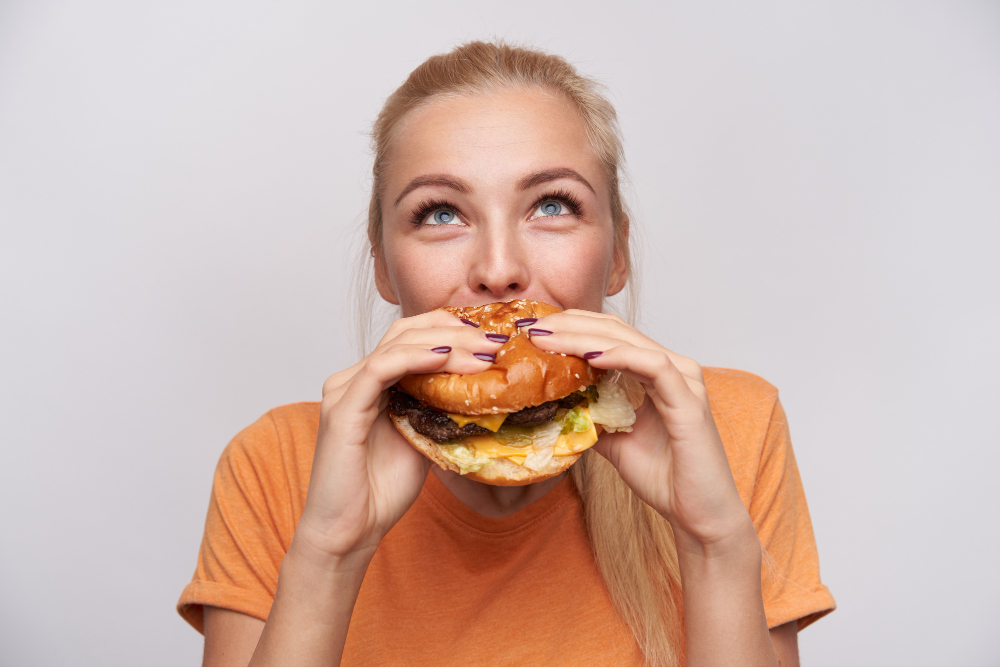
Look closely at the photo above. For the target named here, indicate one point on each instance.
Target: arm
(785, 639)
(674, 460)
(724, 622)
(312, 609)
(364, 477)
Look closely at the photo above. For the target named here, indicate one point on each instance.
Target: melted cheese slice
(568, 443)
(575, 442)
(491, 422)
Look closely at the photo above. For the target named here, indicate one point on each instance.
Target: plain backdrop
(183, 185)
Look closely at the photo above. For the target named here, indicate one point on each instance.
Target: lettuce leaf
(612, 410)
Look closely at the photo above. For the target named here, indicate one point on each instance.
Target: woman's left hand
(673, 459)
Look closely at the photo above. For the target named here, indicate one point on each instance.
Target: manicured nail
(538, 332)
(444, 349)
(592, 355)
(469, 322)
(497, 338)
(482, 356)
(525, 322)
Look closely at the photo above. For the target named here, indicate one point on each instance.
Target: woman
(495, 178)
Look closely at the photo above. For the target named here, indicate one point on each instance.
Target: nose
(499, 268)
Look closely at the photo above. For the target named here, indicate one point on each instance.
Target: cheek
(424, 277)
(573, 268)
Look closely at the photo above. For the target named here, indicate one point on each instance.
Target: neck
(495, 502)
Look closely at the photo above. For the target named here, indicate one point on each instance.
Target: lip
(475, 303)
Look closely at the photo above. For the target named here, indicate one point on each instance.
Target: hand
(365, 475)
(673, 459)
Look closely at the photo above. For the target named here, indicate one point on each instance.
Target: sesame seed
(576, 375)
(496, 409)
(466, 401)
(493, 396)
(562, 354)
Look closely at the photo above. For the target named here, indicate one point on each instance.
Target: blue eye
(443, 217)
(551, 207)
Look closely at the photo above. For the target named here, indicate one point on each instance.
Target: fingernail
(592, 355)
(482, 356)
(538, 332)
(469, 322)
(525, 322)
(442, 349)
(497, 338)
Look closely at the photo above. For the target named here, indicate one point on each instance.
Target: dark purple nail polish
(592, 355)
(442, 349)
(482, 356)
(497, 338)
(525, 322)
(469, 322)
(538, 332)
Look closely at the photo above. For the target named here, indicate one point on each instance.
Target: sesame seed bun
(522, 375)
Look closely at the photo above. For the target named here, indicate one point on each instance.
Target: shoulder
(280, 443)
(743, 405)
(729, 389)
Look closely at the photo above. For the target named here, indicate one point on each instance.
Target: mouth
(516, 301)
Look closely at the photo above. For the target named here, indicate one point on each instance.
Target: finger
(358, 404)
(589, 346)
(464, 337)
(384, 368)
(336, 381)
(612, 326)
(430, 319)
(459, 337)
(670, 387)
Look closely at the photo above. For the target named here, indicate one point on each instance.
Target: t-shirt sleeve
(243, 544)
(790, 570)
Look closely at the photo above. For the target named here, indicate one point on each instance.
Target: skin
(476, 153)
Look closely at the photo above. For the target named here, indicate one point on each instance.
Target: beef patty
(439, 427)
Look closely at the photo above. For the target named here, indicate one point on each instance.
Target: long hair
(633, 545)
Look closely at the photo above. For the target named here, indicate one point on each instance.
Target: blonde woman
(330, 540)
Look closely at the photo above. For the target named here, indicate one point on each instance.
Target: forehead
(493, 136)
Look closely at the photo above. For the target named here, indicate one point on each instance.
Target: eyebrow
(552, 175)
(433, 179)
(525, 183)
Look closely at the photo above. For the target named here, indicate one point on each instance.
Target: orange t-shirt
(449, 586)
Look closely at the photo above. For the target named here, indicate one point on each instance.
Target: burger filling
(440, 427)
(528, 437)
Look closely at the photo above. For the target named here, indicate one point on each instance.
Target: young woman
(330, 539)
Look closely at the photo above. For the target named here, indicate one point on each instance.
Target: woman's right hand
(365, 475)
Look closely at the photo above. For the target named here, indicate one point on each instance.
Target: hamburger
(527, 418)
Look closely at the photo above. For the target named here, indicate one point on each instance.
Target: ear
(382, 281)
(618, 277)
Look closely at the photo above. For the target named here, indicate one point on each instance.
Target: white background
(818, 191)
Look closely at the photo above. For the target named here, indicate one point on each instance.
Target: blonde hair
(633, 545)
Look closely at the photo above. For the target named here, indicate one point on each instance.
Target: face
(494, 198)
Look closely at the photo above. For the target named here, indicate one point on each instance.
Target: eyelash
(429, 206)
